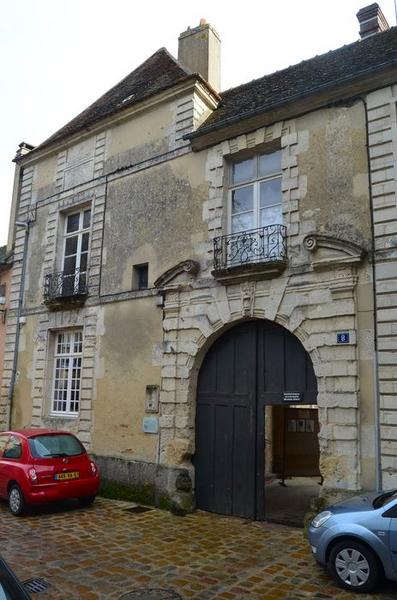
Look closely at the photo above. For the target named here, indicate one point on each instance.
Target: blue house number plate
(343, 337)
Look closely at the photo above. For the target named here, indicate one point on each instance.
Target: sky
(58, 56)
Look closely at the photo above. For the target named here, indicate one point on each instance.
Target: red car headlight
(32, 475)
(93, 467)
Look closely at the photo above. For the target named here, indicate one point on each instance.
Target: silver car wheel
(352, 567)
(15, 500)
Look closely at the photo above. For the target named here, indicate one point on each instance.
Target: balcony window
(71, 282)
(255, 198)
(256, 240)
(76, 243)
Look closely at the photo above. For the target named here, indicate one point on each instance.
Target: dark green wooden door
(251, 365)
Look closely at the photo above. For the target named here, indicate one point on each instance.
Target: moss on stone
(143, 494)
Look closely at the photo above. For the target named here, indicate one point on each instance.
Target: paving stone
(107, 552)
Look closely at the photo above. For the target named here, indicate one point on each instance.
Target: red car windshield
(62, 444)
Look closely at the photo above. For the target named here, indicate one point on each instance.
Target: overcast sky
(58, 56)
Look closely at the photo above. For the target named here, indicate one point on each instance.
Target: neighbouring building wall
(24, 205)
(5, 280)
(382, 126)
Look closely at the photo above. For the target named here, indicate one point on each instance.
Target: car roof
(28, 433)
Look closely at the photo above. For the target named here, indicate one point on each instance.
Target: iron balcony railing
(264, 245)
(65, 285)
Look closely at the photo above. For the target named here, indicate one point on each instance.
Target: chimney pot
(372, 20)
(23, 148)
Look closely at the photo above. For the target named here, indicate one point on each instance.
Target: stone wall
(382, 125)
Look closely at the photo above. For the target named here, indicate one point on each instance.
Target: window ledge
(66, 416)
(60, 301)
(265, 270)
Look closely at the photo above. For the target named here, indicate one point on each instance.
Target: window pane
(242, 222)
(243, 171)
(81, 283)
(84, 242)
(83, 262)
(78, 342)
(270, 192)
(69, 266)
(270, 163)
(271, 216)
(71, 245)
(242, 199)
(63, 345)
(86, 218)
(73, 223)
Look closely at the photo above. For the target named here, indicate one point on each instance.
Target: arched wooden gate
(252, 365)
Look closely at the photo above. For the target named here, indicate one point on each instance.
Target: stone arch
(219, 327)
(195, 318)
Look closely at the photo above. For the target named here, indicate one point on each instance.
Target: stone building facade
(150, 241)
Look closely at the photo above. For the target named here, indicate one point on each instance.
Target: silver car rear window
(384, 499)
(55, 445)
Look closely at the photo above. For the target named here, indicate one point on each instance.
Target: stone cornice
(330, 251)
(191, 267)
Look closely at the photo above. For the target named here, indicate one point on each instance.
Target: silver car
(357, 540)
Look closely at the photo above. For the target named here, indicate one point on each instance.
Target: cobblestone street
(108, 550)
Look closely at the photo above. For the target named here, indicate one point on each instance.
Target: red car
(43, 465)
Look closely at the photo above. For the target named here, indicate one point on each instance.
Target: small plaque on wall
(150, 425)
(343, 337)
(292, 397)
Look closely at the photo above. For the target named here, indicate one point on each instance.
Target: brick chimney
(372, 20)
(199, 49)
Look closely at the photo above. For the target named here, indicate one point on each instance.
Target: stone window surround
(71, 355)
(280, 135)
(49, 324)
(230, 160)
(62, 234)
(70, 202)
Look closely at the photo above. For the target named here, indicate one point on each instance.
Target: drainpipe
(378, 460)
(25, 225)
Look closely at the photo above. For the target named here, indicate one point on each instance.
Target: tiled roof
(157, 73)
(303, 79)
(162, 71)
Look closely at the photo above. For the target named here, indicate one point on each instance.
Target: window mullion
(256, 204)
(78, 251)
(69, 387)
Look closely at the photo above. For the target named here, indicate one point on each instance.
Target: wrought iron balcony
(60, 287)
(256, 251)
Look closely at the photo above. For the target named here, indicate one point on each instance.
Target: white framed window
(75, 251)
(68, 353)
(255, 198)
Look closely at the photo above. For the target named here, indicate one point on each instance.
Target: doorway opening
(292, 476)
(257, 453)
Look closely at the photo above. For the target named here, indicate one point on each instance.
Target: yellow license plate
(70, 475)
